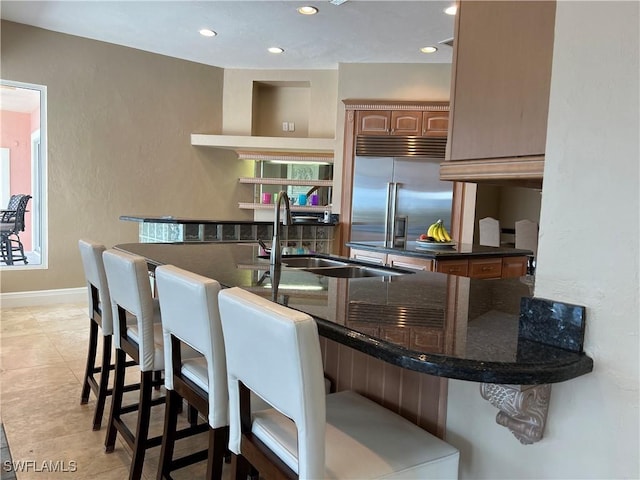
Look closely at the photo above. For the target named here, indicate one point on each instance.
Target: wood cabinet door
(514, 267)
(406, 122)
(453, 267)
(485, 268)
(435, 124)
(501, 78)
(373, 122)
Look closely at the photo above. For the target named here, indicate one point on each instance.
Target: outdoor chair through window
(11, 224)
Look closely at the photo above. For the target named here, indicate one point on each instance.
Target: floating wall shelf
(265, 144)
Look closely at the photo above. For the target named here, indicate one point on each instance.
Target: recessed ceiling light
(428, 49)
(206, 32)
(451, 10)
(275, 50)
(308, 10)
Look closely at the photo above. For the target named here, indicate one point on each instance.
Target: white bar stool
(274, 351)
(130, 290)
(189, 306)
(101, 320)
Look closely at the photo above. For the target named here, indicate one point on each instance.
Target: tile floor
(42, 360)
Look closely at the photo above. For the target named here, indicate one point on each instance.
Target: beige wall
(238, 98)
(591, 175)
(119, 122)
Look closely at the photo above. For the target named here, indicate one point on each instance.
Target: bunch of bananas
(437, 233)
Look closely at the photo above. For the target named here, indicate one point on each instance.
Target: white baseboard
(43, 297)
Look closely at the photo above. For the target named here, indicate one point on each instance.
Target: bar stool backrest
(189, 306)
(130, 289)
(275, 352)
(91, 254)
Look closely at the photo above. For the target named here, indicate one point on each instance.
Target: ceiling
(358, 31)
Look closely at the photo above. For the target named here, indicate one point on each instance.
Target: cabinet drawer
(410, 263)
(395, 335)
(453, 267)
(427, 339)
(485, 268)
(366, 256)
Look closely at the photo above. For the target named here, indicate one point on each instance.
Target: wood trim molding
(426, 106)
(490, 169)
(288, 156)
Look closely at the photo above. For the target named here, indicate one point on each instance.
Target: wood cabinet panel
(373, 122)
(367, 256)
(397, 335)
(514, 267)
(485, 268)
(411, 263)
(501, 78)
(435, 124)
(428, 339)
(453, 267)
(406, 122)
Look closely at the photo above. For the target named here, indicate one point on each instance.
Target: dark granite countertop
(208, 221)
(443, 325)
(462, 250)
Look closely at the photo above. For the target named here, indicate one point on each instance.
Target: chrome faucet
(276, 250)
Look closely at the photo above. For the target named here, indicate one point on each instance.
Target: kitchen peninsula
(469, 260)
(416, 320)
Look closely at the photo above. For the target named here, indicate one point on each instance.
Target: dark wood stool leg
(142, 429)
(218, 441)
(104, 381)
(171, 412)
(192, 416)
(157, 376)
(240, 467)
(91, 360)
(116, 400)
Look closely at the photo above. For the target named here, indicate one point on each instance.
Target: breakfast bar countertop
(457, 327)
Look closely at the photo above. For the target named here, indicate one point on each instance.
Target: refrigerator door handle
(391, 219)
(388, 221)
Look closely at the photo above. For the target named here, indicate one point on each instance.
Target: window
(23, 162)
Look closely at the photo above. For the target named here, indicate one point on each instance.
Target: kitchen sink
(312, 262)
(354, 271)
(339, 268)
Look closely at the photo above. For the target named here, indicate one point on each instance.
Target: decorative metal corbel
(523, 408)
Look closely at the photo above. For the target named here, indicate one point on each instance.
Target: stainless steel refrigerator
(395, 199)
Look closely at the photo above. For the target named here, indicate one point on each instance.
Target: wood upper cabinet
(406, 122)
(402, 122)
(501, 78)
(373, 122)
(435, 124)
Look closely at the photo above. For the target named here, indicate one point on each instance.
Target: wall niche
(274, 103)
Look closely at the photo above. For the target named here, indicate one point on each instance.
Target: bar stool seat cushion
(158, 339)
(405, 450)
(195, 369)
